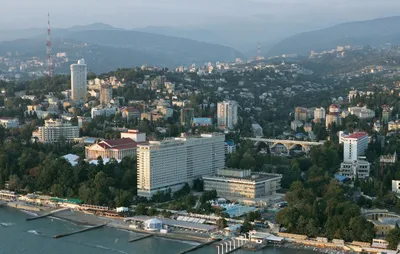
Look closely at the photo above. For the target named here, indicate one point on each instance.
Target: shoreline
(84, 219)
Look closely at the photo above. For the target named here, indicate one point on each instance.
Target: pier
(233, 250)
(199, 246)
(140, 238)
(47, 214)
(79, 231)
(231, 245)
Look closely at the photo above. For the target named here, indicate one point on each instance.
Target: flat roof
(175, 223)
(259, 178)
(357, 135)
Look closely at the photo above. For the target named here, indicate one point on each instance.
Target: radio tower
(259, 52)
(50, 67)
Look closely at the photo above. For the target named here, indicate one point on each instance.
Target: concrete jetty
(199, 246)
(140, 238)
(47, 214)
(79, 231)
(233, 250)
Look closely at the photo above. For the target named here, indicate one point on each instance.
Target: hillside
(106, 50)
(176, 50)
(371, 32)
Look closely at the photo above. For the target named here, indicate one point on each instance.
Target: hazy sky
(140, 13)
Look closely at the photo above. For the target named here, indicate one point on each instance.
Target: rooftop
(357, 135)
(251, 178)
(123, 143)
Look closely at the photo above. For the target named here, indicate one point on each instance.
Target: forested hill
(106, 50)
(375, 32)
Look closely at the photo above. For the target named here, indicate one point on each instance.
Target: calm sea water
(22, 237)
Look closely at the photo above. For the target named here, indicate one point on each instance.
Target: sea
(33, 237)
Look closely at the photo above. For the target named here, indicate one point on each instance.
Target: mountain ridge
(374, 32)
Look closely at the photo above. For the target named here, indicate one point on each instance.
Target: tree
(141, 209)
(246, 227)
(221, 223)
(393, 238)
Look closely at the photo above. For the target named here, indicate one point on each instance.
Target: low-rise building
(135, 135)
(394, 125)
(388, 159)
(82, 120)
(257, 130)
(359, 168)
(296, 124)
(362, 113)
(9, 122)
(103, 111)
(242, 183)
(202, 121)
(396, 186)
(107, 149)
(130, 113)
(230, 147)
(55, 131)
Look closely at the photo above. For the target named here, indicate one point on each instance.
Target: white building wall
(227, 114)
(79, 81)
(170, 164)
(396, 186)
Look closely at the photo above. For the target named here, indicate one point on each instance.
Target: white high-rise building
(227, 114)
(319, 113)
(171, 163)
(353, 164)
(79, 81)
(55, 131)
(354, 146)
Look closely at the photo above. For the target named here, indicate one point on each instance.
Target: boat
(217, 236)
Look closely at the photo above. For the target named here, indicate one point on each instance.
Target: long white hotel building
(169, 164)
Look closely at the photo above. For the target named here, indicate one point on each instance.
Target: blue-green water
(23, 237)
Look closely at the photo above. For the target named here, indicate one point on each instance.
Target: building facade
(56, 130)
(396, 186)
(79, 81)
(187, 115)
(135, 135)
(359, 168)
(333, 116)
(169, 164)
(319, 113)
(227, 114)
(362, 113)
(130, 113)
(353, 165)
(239, 183)
(354, 145)
(394, 125)
(300, 114)
(105, 94)
(9, 122)
(107, 149)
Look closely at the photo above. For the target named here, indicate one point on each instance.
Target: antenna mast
(50, 67)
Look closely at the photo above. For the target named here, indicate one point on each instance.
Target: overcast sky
(141, 13)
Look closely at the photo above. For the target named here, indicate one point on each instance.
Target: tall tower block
(50, 66)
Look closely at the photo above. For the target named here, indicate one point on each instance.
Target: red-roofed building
(117, 149)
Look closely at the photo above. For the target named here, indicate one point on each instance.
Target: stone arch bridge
(288, 144)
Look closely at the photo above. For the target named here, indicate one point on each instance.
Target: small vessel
(217, 236)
